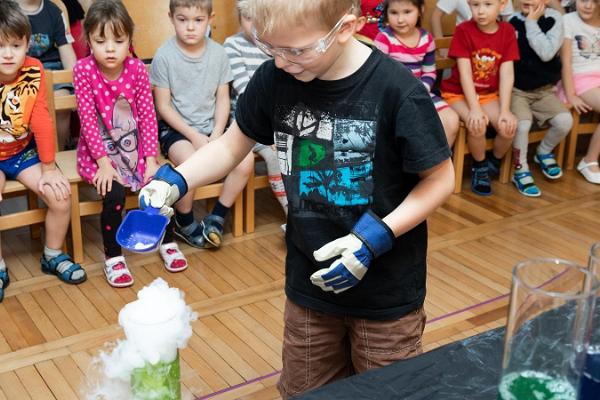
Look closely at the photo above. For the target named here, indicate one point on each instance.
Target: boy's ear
(348, 29)
(211, 17)
(360, 22)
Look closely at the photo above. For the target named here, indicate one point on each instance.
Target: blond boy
(191, 75)
(364, 160)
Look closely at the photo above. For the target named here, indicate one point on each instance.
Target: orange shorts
(483, 98)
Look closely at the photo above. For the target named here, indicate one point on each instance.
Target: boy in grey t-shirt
(190, 77)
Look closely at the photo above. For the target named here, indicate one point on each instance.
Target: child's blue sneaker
(480, 181)
(548, 164)
(525, 185)
(4, 282)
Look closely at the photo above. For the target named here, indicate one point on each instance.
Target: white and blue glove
(163, 190)
(369, 238)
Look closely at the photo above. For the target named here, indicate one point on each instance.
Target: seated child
(119, 139)
(51, 44)
(463, 13)
(405, 41)
(479, 88)
(27, 142)
(580, 84)
(245, 58)
(195, 110)
(539, 34)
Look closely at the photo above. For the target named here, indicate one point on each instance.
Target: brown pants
(320, 348)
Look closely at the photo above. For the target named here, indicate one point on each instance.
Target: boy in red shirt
(480, 86)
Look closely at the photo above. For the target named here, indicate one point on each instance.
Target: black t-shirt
(48, 32)
(344, 147)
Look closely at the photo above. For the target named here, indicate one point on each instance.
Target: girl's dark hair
(105, 13)
(13, 23)
(385, 5)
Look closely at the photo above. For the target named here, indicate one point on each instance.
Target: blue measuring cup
(142, 231)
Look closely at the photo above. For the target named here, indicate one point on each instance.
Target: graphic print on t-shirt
(589, 47)
(326, 160)
(39, 43)
(17, 100)
(485, 64)
(121, 142)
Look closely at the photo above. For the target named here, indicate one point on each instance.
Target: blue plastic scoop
(142, 231)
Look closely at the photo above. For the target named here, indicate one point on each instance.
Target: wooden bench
(32, 216)
(255, 182)
(579, 128)
(67, 162)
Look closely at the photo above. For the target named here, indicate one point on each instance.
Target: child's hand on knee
(477, 121)
(507, 123)
(199, 140)
(578, 104)
(57, 182)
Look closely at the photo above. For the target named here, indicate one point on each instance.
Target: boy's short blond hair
(204, 5)
(242, 7)
(270, 15)
(13, 23)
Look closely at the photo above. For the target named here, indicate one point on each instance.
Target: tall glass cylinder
(590, 380)
(159, 377)
(547, 330)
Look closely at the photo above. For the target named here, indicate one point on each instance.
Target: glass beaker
(160, 381)
(547, 329)
(589, 388)
(152, 334)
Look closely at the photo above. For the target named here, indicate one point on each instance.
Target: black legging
(111, 217)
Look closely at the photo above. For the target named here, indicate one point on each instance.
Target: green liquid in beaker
(160, 381)
(533, 385)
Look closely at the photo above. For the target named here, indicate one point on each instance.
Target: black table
(465, 370)
(469, 369)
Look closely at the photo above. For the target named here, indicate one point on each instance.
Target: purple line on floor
(239, 385)
(483, 303)
(261, 378)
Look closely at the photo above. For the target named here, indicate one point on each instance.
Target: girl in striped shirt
(405, 41)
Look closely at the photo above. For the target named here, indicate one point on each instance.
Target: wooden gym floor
(50, 331)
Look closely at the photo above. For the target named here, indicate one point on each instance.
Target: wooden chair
(461, 149)
(255, 182)
(579, 128)
(67, 162)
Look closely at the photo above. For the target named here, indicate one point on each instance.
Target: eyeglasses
(304, 55)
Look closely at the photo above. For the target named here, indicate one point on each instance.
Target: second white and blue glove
(370, 237)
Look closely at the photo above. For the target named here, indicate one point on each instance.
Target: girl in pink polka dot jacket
(119, 138)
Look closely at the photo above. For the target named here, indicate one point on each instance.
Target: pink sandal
(117, 273)
(173, 258)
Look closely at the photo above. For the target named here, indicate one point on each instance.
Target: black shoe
(213, 229)
(194, 239)
(480, 181)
